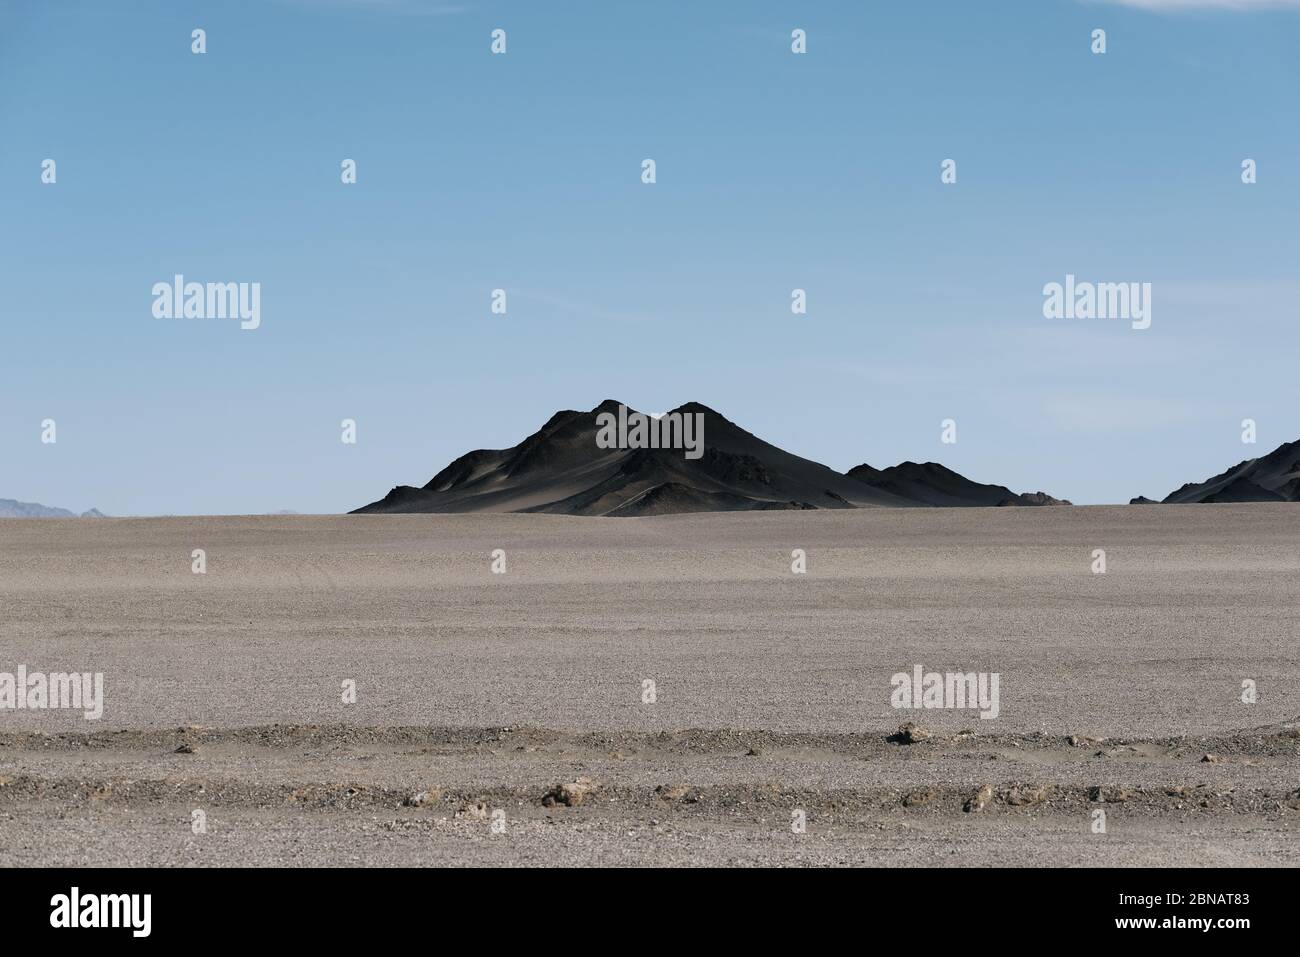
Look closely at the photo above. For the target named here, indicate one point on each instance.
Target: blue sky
(775, 171)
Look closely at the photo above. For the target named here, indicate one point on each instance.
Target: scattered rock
(476, 811)
(1210, 759)
(979, 800)
(753, 753)
(1118, 750)
(430, 796)
(910, 734)
(1294, 800)
(672, 792)
(918, 798)
(1080, 741)
(1021, 796)
(1109, 795)
(571, 794)
(184, 749)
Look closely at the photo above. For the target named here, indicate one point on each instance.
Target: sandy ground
(484, 691)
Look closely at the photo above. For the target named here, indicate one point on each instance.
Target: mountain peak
(1274, 477)
(560, 469)
(692, 407)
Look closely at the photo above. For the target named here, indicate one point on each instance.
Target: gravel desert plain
(658, 691)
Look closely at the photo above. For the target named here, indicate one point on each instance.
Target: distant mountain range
(932, 484)
(560, 470)
(9, 508)
(1273, 478)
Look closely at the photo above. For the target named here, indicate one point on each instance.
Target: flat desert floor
(477, 694)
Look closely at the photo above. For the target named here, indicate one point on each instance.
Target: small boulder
(571, 794)
(1106, 794)
(979, 800)
(423, 798)
(672, 792)
(1020, 796)
(910, 734)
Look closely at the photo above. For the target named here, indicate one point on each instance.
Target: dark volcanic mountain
(932, 484)
(1273, 478)
(559, 469)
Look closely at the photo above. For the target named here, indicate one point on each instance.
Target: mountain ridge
(1274, 477)
(937, 485)
(12, 508)
(560, 469)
